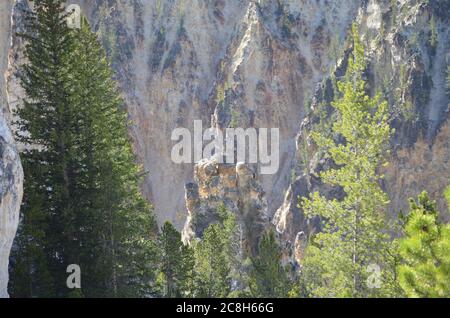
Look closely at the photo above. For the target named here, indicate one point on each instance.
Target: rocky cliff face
(247, 63)
(11, 182)
(11, 175)
(408, 52)
(244, 63)
(271, 64)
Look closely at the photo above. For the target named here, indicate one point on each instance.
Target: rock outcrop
(11, 183)
(234, 187)
(11, 174)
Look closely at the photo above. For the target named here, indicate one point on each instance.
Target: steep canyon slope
(271, 64)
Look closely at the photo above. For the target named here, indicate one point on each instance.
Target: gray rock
(11, 174)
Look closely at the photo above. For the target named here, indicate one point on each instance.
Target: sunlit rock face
(267, 64)
(11, 174)
(246, 63)
(11, 183)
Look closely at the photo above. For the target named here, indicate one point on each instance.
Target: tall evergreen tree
(216, 259)
(82, 203)
(176, 261)
(211, 267)
(37, 262)
(425, 252)
(187, 274)
(354, 243)
(237, 255)
(268, 277)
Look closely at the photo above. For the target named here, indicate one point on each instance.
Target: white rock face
(11, 181)
(11, 174)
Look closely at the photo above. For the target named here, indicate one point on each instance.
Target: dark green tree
(37, 265)
(212, 268)
(176, 263)
(187, 274)
(237, 254)
(126, 219)
(268, 277)
(218, 261)
(82, 203)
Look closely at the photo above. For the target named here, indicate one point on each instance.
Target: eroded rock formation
(234, 187)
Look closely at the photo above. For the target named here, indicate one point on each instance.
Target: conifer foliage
(268, 278)
(176, 263)
(425, 252)
(82, 204)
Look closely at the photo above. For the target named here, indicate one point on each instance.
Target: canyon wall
(269, 64)
(249, 63)
(408, 53)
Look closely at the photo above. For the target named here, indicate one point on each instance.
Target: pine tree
(354, 238)
(236, 254)
(217, 259)
(82, 202)
(268, 278)
(43, 120)
(211, 267)
(127, 221)
(425, 252)
(186, 276)
(176, 262)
